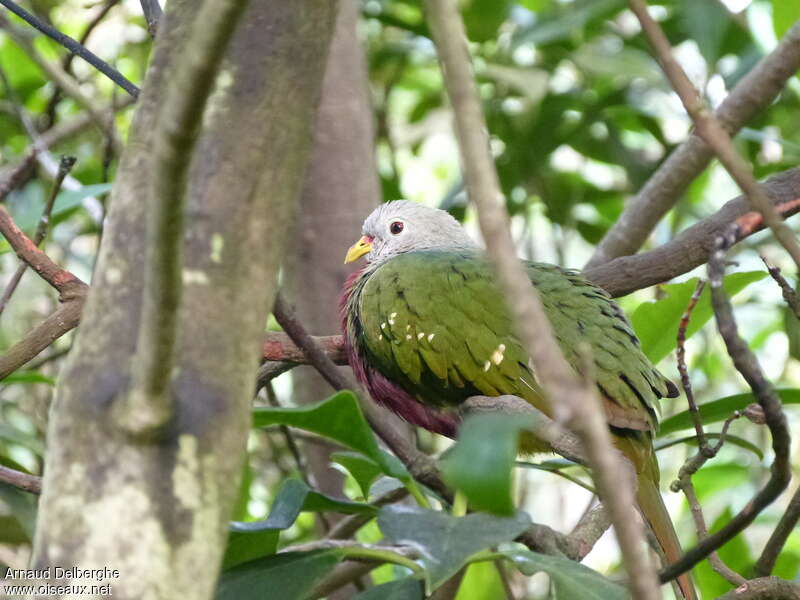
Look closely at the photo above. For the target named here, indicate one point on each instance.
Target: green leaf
(656, 323)
(363, 470)
(707, 24)
(481, 582)
(784, 14)
(446, 542)
(288, 576)
(719, 410)
(28, 377)
(407, 588)
(69, 199)
(571, 580)
(481, 461)
(339, 418)
(251, 540)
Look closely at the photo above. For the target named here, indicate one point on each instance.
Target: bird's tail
(651, 504)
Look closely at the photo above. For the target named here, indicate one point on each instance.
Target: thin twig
(65, 165)
(152, 15)
(788, 292)
(73, 46)
(682, 368)
(66, 64)
(576, 395)
(149, 404)
(20, 480)
(752, 94)
(747, 364)
(713, 132)
(17, 175)
(64, 281)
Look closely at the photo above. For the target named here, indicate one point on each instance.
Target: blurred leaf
(407, 588)
(719, 410)
(528, 81)
(288, 576)
(720, 477)
(481, 461)
(622, 65)
(706, 23)
(339, 418)
(22, 506)
(734, 440)
(481, 582)
(482, 18)
(788, 565)
(15, 436)
(363, 470)
(785, 13)
(571, 580)
(11, 532)
(735, 554)
(566, 22)
(656, 323)
(28, 377)
(446, 542)
(251, 540)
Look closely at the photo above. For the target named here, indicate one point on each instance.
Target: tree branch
(765, 588)
(693, 246)
(149, 404)
(747, 364)
(713, 132)
(74, 47)
(21, 481)
(577, 398)
(65, 165)
(152, 14)
(751, 95)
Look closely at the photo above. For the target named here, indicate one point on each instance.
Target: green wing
(435, 323)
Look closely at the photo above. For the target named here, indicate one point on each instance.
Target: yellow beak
(359, 249)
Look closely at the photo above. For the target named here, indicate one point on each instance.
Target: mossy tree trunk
(157, 509)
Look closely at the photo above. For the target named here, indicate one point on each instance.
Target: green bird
(426, 327)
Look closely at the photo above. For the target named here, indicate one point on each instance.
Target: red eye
(396, 227)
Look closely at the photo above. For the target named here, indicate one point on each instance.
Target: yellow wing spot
(486, 366)
(408, 327)
(383, 325)
(497, 355)
(408, 337)
(431, 336)
(420, 335)
(380, 337)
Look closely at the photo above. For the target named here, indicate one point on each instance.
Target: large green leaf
(339, 418)
(251, 540)
(483, 17)
(480, 463)
(719, 410)
(481, 582)
(571, 580)
(22, 505)
(407, 588)
(656, 323)
(445, 541)
(289, 576)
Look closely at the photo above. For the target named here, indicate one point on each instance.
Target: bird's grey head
(404, 226)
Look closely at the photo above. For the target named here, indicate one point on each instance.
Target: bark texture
(340, 189)
(157, 509)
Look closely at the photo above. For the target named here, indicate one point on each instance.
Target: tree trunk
(340, 189)
(157, 510)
